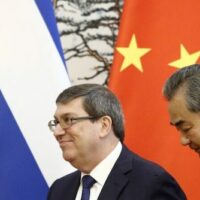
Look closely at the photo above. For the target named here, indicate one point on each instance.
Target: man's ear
(106, 125)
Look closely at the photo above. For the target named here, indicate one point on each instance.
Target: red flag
(155, 38)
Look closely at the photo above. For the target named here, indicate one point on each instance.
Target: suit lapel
(72, 186)
(118, 177)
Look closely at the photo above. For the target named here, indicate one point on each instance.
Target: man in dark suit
(182, 91)
(89, 127)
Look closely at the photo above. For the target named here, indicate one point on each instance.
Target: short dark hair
(188, 78)
(97, 101)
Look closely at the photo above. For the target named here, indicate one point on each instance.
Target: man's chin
(67, 156)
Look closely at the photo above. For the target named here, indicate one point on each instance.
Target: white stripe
(31, 76)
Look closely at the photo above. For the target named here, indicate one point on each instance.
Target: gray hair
(97, 101)
(188, 78)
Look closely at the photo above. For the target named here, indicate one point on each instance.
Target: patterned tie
(87, 182)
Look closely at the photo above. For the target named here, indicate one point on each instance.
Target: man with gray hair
(89, 127)
(182, 91)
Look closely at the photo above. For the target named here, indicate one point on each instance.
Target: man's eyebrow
(178, 123)
(64, 115)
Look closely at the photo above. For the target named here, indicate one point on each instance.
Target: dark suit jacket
(132, 178)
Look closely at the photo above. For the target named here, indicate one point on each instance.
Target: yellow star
(132, 54)
(185, 59)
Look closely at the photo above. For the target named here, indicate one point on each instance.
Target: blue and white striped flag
(32, 74)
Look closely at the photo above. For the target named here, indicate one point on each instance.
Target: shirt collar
(103, 169)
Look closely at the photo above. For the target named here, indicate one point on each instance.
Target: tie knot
(88, 181)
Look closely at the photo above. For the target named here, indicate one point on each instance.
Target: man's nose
(184, 140)
(59, 130)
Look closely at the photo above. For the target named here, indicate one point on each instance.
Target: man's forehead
(77, 101)
(69, 108)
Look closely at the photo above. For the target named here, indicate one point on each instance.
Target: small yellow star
(185, 58)
(132, 54)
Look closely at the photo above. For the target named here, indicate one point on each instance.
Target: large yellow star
(185, 58)
(132, 54)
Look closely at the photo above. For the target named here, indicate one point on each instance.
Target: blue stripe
(20, 176)
(47, 12)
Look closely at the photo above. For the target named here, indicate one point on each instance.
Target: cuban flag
(32, 74)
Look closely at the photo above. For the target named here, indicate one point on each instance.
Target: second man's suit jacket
(132, 178)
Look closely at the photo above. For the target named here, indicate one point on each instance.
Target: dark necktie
(87, 182)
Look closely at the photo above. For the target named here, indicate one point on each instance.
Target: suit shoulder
(58, 190)
(147, 174)
(142, 165)
(69, 177)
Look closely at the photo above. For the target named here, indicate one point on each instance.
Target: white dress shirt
(100, 173)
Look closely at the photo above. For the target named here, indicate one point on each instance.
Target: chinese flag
(156, 38)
